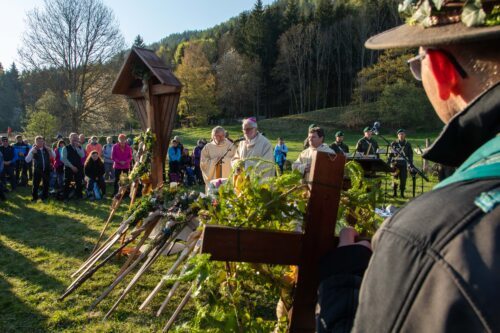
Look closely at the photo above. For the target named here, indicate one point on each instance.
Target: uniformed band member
(367, 145)
(399, 149)
(339, 146)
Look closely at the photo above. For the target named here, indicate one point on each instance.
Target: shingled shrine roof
(161, 73)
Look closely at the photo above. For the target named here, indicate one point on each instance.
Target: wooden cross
(303, 249)
(155, 99)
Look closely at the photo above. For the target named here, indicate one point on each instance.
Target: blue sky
(152, 19)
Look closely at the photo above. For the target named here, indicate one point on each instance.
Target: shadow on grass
(17, 316)
(46, 225)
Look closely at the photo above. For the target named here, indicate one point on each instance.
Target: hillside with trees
(290, 57)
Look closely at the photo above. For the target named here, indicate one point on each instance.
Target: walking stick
(183, 303)
(114, 207)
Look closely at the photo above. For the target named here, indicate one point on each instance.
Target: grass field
(41, 244)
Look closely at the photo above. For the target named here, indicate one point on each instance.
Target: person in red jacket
(121, 156)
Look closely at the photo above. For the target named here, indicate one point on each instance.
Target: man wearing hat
(367, 145)
(435, 265)
(400, 149)
(339, 147)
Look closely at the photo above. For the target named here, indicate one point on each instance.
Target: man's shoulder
(325, 149)
(430, 218)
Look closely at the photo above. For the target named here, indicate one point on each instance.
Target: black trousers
(70, 176)
(118, 172)
(402, 176)
(199, 175)
(21, 172)
(9, 171)
(44, 177)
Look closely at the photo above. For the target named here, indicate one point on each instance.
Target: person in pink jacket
(121, 155)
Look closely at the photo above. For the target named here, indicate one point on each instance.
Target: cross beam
(288, 248)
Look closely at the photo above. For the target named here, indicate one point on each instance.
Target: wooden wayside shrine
(154, 91)
(303, 249)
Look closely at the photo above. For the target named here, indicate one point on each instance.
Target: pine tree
(10, 99)
(324, 12)
(139, 42)
(292, 14)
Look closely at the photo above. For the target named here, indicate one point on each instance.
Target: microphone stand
(410, 164)
(219, 161)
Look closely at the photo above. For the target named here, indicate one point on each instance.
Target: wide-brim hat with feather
(441, 22)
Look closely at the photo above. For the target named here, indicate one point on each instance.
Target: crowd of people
(66, 168)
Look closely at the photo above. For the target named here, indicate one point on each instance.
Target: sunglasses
(415, 64)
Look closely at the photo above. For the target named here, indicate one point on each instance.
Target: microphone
(239, 140)
(376, 127)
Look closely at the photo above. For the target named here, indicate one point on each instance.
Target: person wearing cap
(280, 152)
(400, 149)
(71, 156)
(339, 147)
(316, 138)
(41, 155)
(254, 145)
(212, 167)
(435, 265)
(21, 150)
(94, 145)
(9, 164)
(367, 145)
(121, 154)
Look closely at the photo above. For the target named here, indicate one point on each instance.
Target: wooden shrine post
(291, 248)
(154, 91)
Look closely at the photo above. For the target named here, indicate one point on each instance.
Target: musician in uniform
(400, 149)
(367, 145)
(339, 147)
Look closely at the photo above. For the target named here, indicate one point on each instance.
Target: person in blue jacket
(21, 150)
(174, 158)
(280, 152)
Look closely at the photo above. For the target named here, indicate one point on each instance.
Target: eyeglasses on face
(415, 63)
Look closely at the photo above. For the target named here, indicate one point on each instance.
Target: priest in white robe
(254, 145)
(212, 163)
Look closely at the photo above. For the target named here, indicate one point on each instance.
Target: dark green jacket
(404, 149)
(339, 147)
(364, 144)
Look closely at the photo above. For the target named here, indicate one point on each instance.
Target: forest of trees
(290, 57)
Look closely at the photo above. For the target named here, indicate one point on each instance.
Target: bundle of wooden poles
(155, 229)
(157, 233)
